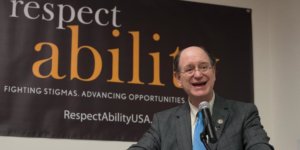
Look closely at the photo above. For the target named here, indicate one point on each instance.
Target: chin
(200, 95)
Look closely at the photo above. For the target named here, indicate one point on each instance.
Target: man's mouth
(199, 84)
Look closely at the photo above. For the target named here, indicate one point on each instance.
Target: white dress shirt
(194, 111)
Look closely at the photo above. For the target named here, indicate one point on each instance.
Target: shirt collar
(194, 110)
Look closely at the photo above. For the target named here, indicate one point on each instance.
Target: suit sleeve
(151, 138)
(255, 137)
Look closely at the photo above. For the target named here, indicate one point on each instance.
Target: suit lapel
(183, 128)
(183, 123)
(220, 116)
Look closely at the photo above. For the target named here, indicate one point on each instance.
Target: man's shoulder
(238, 105)
(238, 102)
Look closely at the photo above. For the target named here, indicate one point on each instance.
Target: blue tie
(197, 143)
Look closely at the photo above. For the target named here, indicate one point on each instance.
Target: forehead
(193, 55)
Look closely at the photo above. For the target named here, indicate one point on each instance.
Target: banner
(86, 69)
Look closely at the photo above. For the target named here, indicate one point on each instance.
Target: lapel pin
(220, 121)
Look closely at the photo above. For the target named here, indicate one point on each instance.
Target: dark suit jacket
(237, 127)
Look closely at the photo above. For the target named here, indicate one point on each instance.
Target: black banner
(100, 69)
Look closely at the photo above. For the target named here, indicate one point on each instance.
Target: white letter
(49, 12)
(26, 9)
(114, 17)
(14, 7)
(61, 18)
(97, 16)
(81, 11)
(6, 88)
(66, 114)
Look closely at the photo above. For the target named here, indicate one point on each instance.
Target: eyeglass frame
(203, 68)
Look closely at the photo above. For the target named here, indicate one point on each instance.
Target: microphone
(208, 124)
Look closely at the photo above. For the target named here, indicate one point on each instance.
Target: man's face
(196, 74)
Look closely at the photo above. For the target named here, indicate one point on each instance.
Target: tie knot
(199, 115)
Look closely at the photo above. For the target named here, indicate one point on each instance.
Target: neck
(197, 100)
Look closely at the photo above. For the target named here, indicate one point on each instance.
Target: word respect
(65, 13)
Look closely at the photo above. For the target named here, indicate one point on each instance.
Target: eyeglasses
(190, 70)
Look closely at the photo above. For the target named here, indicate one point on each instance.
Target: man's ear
(176, 78)
(214, 69)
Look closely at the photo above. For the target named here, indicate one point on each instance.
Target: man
(237, 124)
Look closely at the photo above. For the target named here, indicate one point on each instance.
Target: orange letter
(156, 70)
(54, 62)
(115, 66)
(136, 59)
(74, 57)
(174, 55)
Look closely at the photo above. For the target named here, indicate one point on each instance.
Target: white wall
(276, 40)
(284, 27)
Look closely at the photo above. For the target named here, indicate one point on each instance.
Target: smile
(199, 84)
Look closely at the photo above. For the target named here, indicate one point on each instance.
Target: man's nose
(198, 73)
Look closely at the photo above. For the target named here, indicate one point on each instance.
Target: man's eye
(204, 67)
(189, 70)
